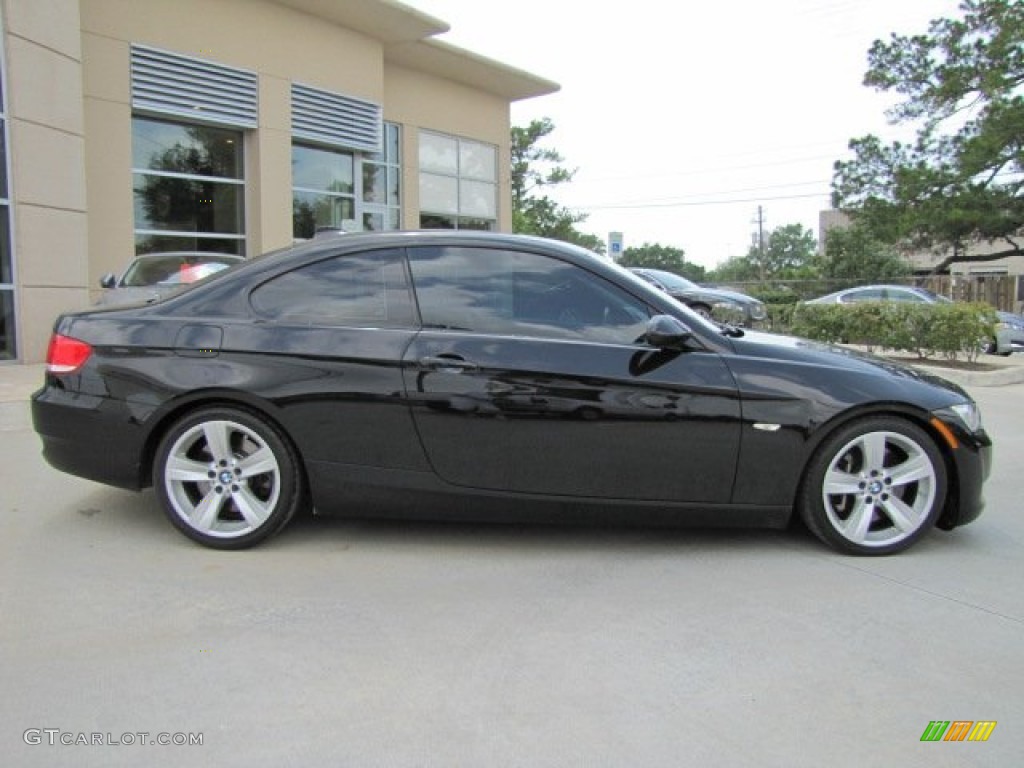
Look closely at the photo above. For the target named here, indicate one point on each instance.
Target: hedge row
(925, 330)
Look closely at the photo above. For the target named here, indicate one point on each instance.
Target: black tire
(990, 347)
(227, 478)
(702, 309)
(889, 482)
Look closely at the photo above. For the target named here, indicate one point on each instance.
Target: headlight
(969, 414)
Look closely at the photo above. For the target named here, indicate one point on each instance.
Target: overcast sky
(684, 117)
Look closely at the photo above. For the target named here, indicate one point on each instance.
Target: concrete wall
(42, 44)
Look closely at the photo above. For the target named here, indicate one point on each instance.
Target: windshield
(671, 280)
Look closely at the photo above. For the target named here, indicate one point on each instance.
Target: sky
(685, 119)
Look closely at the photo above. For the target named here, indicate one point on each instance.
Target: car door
(330, 336)
(528, 377)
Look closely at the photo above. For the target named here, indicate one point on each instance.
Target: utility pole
(760, 240)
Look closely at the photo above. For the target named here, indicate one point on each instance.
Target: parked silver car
(155, 274)
(1009, 329)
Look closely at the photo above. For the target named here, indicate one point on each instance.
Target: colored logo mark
(958, 730)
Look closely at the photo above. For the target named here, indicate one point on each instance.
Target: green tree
(788, 254)
(960, 182)
(654, 256)
(533, 168)
(736, 269)
(854, 253)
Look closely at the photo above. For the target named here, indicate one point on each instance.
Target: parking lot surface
(350, 643)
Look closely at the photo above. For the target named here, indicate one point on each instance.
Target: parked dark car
(751, 313)
(495, 377)
(150, 276)
(1009, 336)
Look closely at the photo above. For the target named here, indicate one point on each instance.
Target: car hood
(797, 350)
(115, 297)
(739, 298)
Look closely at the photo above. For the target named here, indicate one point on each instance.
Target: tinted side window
(361, 289)
(517, 293)
(868, 294)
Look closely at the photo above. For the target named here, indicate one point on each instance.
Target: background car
(154, 274)
(488, 376)
(1009, 336)
(751, 312)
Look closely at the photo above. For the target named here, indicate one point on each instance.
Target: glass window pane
(477, 161)
(323, 169)
(438, 153)
(484, 225)
(478, 198)
(311, 211)
(194, 149)
(361, 289)
(3, 156)
(164, 243)
(6, 271)
(439, 194)
(380, 221)
(375, 183)
(8, 351)
(394, 182)
(436, 221)
(185, 205)
(525, 294)
(392, 137)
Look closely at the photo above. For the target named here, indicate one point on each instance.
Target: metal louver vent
(336, 120)
(169, 84)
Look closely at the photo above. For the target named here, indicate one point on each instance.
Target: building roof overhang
(407, 37)
(384, 20)
(462, 66)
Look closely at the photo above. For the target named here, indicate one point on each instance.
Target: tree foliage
(960, 182)
(654, 256)
(535, 167)
(853, 253)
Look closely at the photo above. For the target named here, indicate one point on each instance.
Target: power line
(677, 204)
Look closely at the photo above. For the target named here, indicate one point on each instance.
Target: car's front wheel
(874, 487)
(227, 477)
(702, 309)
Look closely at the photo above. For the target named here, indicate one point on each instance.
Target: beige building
(925, 261)
(131, 126)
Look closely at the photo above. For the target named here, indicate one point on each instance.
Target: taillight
(66, 355)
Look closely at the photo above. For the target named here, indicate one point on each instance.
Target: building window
(382, 174)
(323, 190)
(339, 189)
(458, 183)
(8, 335)
(189, 187)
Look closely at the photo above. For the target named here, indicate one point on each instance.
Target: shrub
(922, 329)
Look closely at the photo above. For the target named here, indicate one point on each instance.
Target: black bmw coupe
(493, 377)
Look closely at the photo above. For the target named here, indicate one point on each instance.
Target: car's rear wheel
(227, 478)
(874, 487)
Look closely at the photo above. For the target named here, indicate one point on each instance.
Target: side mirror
(108, 280)
(667, 332)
